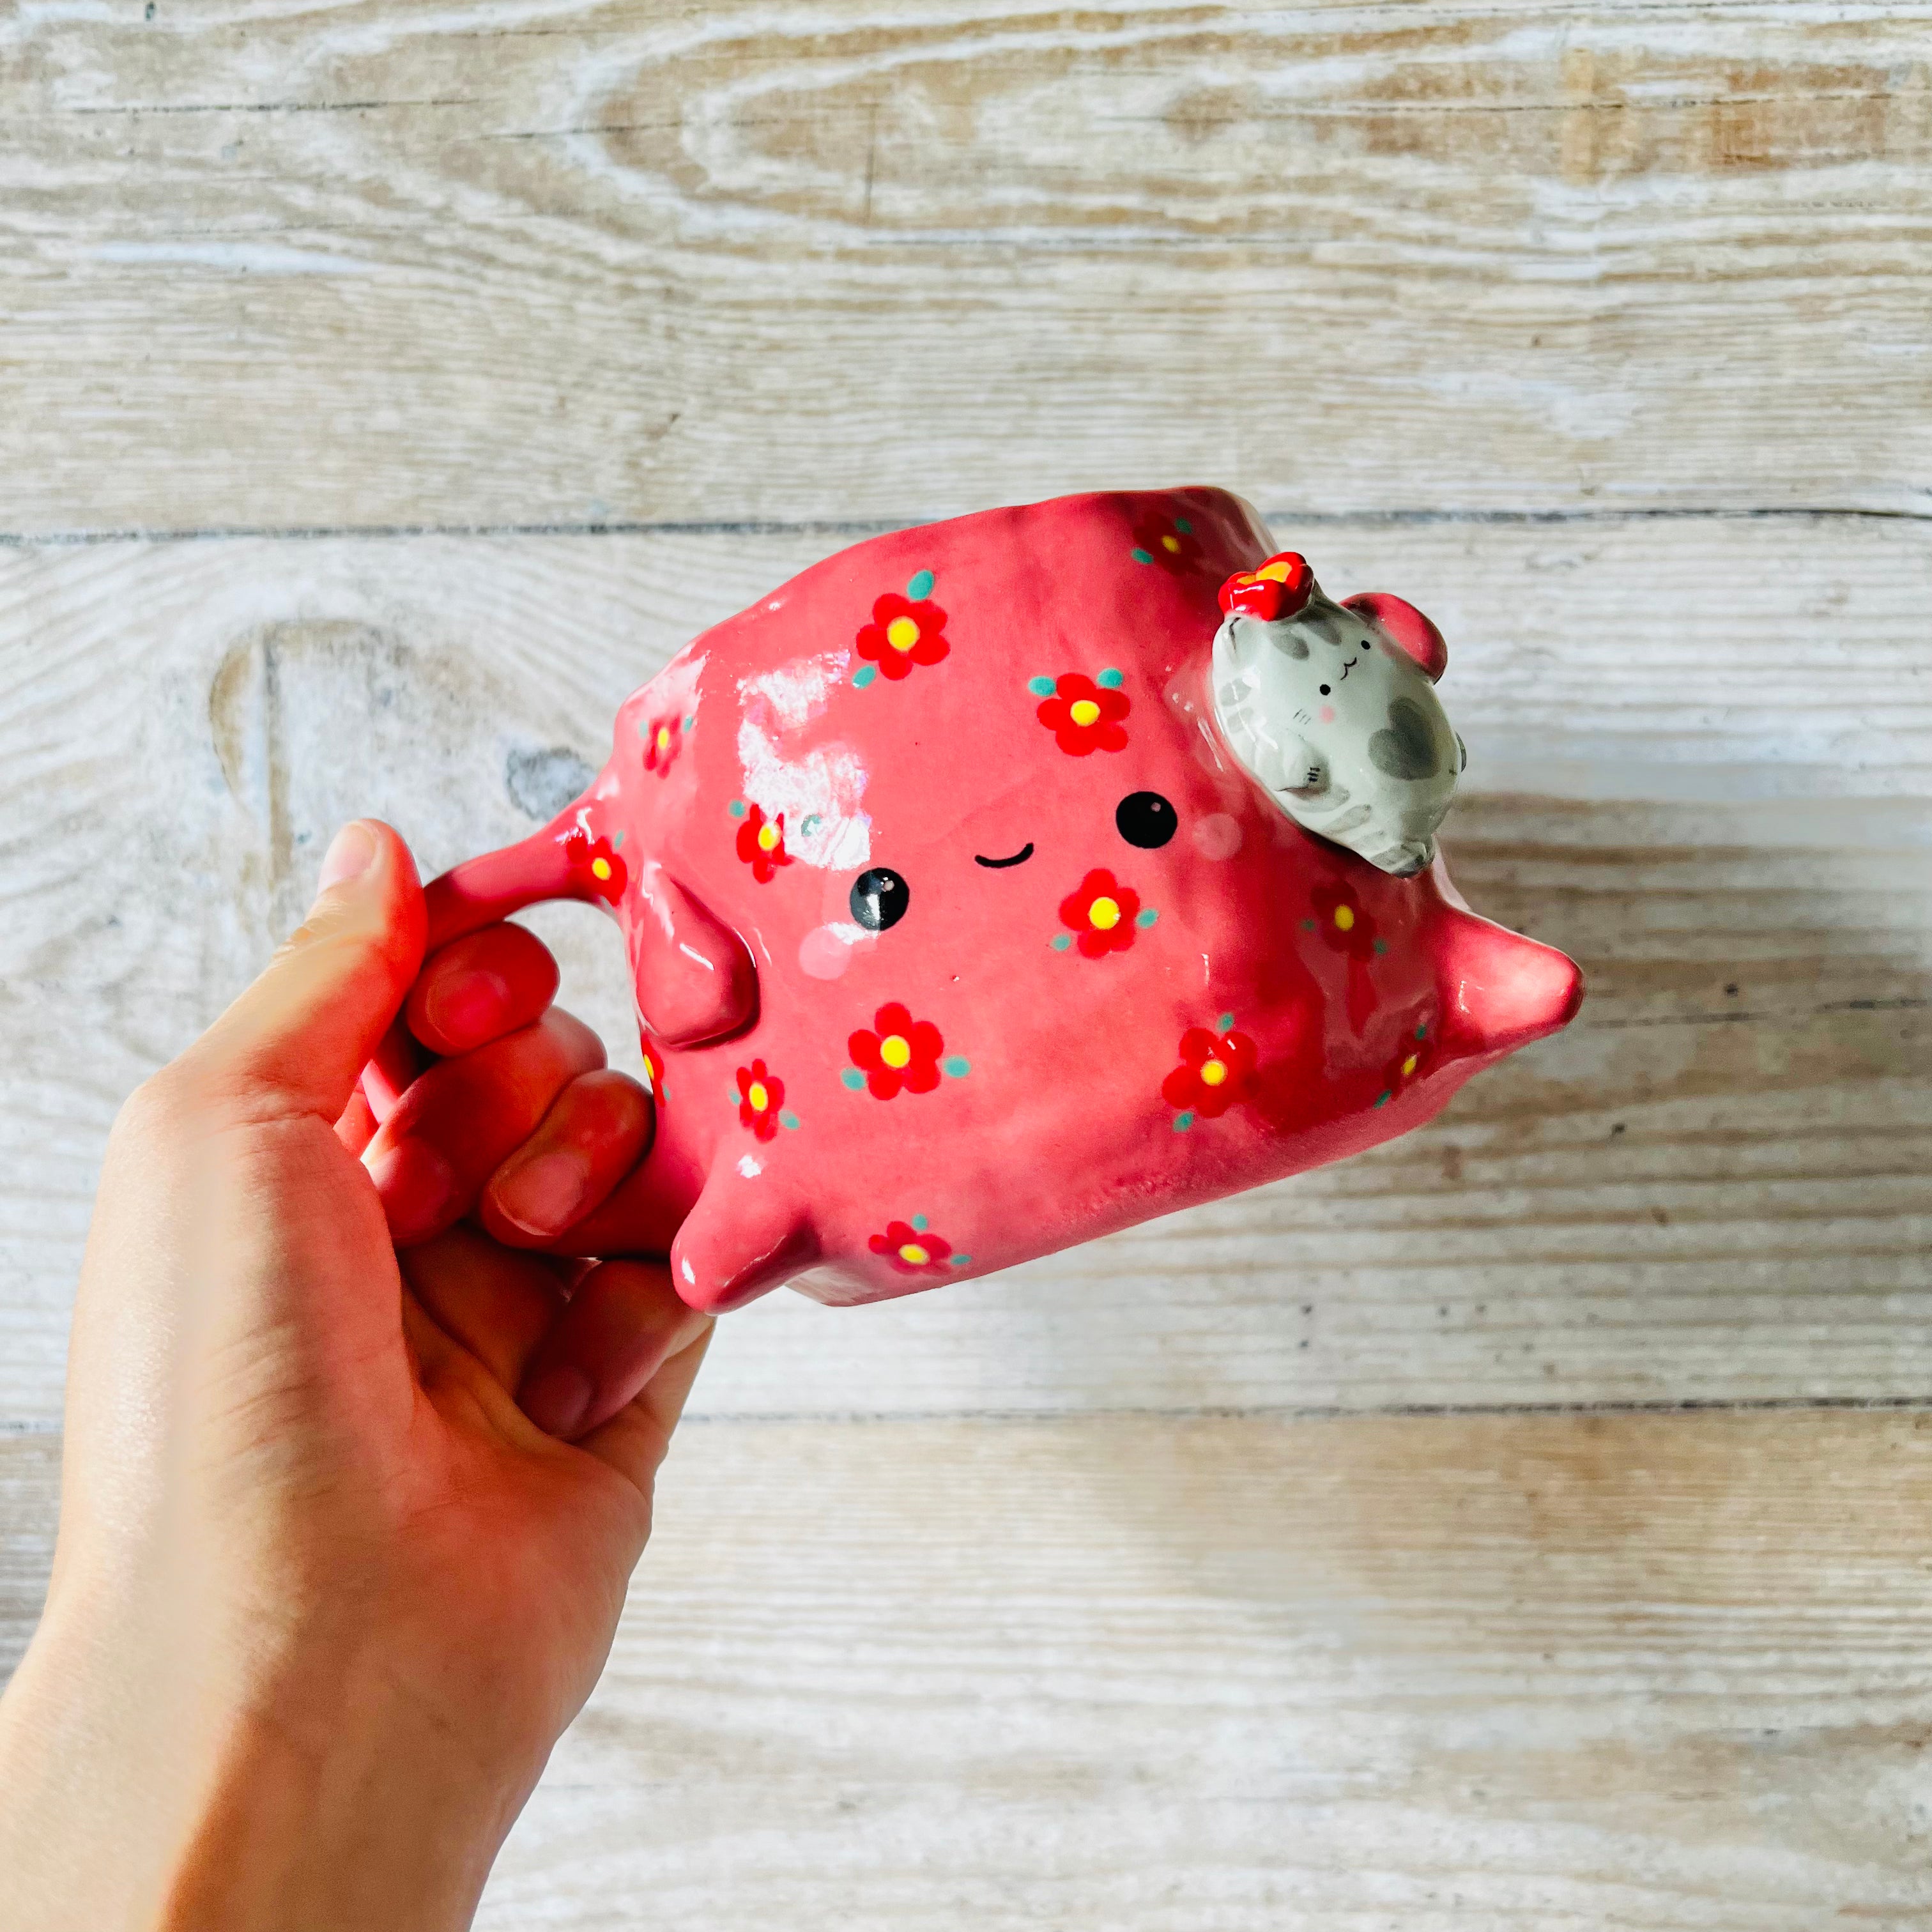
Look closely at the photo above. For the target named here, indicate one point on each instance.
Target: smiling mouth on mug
(1019, 858)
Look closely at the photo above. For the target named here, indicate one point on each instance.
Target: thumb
(294, 1041)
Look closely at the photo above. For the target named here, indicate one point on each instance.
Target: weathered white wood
(1698, 1193)
(29, 1504)
(554, 261)
(1655, 1673)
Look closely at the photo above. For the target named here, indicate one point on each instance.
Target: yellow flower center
(1408, 1066)
(913, 1253)
(894, 1051)
(1345, 917)
(1105, 914)
(1212, 1073)
(756, 1098)
(768, 837)
(902, 633)
(1170, 543)
(664, 737)
(600, 868)
(1272, 573)
(1083, 711)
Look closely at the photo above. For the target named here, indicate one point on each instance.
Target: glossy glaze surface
(959, 933)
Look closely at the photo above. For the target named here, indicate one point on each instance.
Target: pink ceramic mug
(973, 909)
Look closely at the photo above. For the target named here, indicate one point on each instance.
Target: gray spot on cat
(1287, 638)
(1405, 748)
(541, 784)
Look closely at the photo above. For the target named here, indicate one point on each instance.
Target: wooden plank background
(388, 390)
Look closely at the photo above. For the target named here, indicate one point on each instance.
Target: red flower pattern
(654, 1071)
(663, 738)
(1407, 1067)
(1084, 717)
(595, 866)
(1215, 1070)
(1169, 542)
(761, 1095)
(1343, 921)
(912, 1251)
(1279, 588)
(761, 844)
(900, 1052)
(904, 633)
(1103, 912)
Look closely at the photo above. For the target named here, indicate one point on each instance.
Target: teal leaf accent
(920, 585)
(736, 807)
(1226, 1023)
(1186, 529)
(1061, 941)
(956, 1067)
(1308, 925)
(1379, 1099)
(853, 1078)
(1184, 1120)
(617, 840)
(1381, 946)
(1040, 687)
(1111, 679)
(789, 1119)
(810, 823)
(920, 1223)
(736, 1097)
(864, 675)
(1141, 557)
(690, 721)
(1422, 1032)
(959, 1261)
(1145, 917)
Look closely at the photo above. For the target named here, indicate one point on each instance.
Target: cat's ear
(1407, 628)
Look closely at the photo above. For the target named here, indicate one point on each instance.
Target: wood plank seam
(852, 529)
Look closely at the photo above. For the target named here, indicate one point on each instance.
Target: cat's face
(1334, 671)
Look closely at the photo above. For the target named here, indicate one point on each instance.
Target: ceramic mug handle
(694, 979)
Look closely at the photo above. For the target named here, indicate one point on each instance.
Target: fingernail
(544, 1195)
(418, 1190)
(558, 1400)
(351, 853)
(467, 1010)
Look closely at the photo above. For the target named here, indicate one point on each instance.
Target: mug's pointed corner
(1501, 991)
(743, 1238)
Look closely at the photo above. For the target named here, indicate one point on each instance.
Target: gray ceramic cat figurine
(1332, 707)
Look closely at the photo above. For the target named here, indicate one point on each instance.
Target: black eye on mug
(880, 899)
(1146, 819)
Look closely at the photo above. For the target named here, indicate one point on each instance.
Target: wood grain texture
(1713, 738)
(29, 1504)
(1188, 1676)
(553, 262)
(1664, 1674)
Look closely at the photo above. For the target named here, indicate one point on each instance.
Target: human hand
(324, 1596)
(521, 1128)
